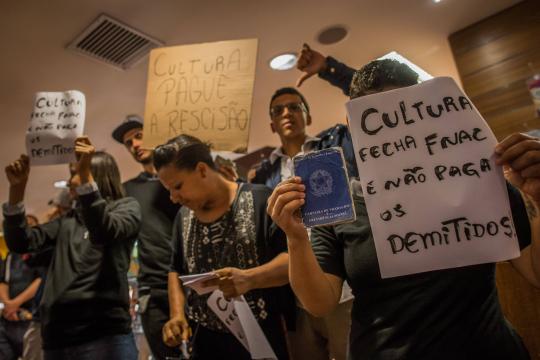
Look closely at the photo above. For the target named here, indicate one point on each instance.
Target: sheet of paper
(55, 122)
(226, 312)
(196, 282)
(241, 322)
(434, 195)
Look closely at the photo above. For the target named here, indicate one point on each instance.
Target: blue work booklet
(328, 193)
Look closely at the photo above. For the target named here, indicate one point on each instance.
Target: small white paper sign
(241, 322)
(56, 121)
(196, 282)
(434, 195)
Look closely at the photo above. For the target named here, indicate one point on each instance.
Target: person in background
(18, 285)
(222, 228)
(32, 344)
(85, 304)
(289, 117)
(154, 240)
(445, 314)
(59, 205)
(311, 337)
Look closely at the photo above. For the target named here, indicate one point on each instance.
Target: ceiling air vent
(108, 40)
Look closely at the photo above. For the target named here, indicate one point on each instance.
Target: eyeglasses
(277, 110)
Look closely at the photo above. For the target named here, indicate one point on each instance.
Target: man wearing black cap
(154, 243)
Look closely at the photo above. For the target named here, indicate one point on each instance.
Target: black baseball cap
(131, 122)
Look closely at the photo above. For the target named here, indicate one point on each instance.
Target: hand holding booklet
(328, 193)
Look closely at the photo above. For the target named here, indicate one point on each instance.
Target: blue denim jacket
(338, 74)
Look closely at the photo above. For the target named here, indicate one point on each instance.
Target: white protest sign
(241, 322)
(204, 90)
(56, 121)
(434, 195)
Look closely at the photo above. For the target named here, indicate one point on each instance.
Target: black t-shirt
(253, 241)
(154, 242)
(444, 314)
(16, 273)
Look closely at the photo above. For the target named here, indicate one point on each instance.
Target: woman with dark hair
(222, 228)
(85, 304)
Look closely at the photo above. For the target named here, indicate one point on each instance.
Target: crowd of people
(316, 293)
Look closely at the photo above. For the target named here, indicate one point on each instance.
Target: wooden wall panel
(500, 75)
(492, 58)
(521, 305)
(497, 51)
(494, 27)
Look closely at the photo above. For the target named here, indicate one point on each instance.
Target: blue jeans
(116, 347)
(11, 338)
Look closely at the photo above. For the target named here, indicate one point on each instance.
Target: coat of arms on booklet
(328, 193)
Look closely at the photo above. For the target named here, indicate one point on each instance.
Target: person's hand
(17, 172)
(10, 311)
(284, 207)
(310, 62)
(176, 330)
(228, 171)
(84, 151)
(519, 154)
(231, 281)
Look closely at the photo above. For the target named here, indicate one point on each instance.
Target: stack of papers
(196, 282)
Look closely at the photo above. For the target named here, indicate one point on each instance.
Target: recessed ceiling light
(422, 74)
(437, 1)
(283, 61)
(332, 34)
(61, 184)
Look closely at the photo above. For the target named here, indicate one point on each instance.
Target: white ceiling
(35, 33)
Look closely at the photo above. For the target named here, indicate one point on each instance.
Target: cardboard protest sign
(204, 90)
(434, 195)
(56, 121)
(239, 319)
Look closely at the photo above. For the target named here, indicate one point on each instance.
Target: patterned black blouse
(244, 237)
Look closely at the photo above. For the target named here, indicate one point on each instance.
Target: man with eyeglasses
(289, 115)
(314, 338)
